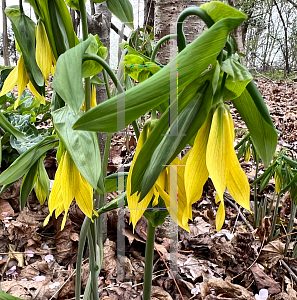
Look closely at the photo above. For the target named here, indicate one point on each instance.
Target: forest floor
(38, 262)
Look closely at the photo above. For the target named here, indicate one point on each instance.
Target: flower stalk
(149, 259)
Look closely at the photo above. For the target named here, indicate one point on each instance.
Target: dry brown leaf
(109, 264)
(263, 281)
(5, 209)
(159, 294)
(272, 253)
(223, 288)
(16, 255)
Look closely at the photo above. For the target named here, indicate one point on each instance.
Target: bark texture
(166, 14)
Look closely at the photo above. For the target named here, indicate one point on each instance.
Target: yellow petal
(137, 209)
(22, 80)
(56, 196)
(84, 197)
(69, 180)
(93, 96)
(35, 93)
(10, 81)
(43, 51)
(237, 182)
(220, 216)
(196, 172)
(217, 150)
(40, 193)
(46, 220)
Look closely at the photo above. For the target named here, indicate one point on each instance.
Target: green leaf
(25, 161)
(24, 31)
(6, 125)
(23, 124)
(74, 4)
(111, 181)
(263, 135)
(96, 80)
(43, 177)
(218, 11)
(123, 10)
(157, 215)
(82, 145)
(68, 76)
(236, 70)
(28, 184)
(155, 137)
(138, 68)
(259, 102)
(4, 296)
(98, 1)
(192, 61)
(187, 124)
(113, 204)
(64, 14)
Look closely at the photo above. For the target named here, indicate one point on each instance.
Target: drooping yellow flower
(69, 184)
(213, 155)
(174, 194)
(44, 55)
(18, 76)
(175, 204)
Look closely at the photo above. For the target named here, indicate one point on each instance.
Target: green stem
(149, 260)
(190, 11)
(113, 77)
(136, 129)
(256, 197)
(83, 15)
(290, 225)
(21, 6)
(106, 84)
(271, 204)
(160, 42)
(274, 218)
(81, 245)
(107, 68)
(87, 292)
(92, 261)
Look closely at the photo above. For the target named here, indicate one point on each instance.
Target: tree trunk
(5, 37)
(92, 5)
(149, 12)
(166, 14)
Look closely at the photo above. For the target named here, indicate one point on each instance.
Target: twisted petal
(175, 194)
(217, 150)
(84, 197)
(237, 183)
(35, 93)
(196, 172)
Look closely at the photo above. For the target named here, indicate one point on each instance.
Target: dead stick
(289, 270)
(240, 213)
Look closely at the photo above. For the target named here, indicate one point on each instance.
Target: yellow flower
(18, 76)
(213, 155)
(44, 55)
(69, 183)
(176, 207)
(175, 199)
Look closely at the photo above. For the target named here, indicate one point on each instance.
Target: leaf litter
(39, 262)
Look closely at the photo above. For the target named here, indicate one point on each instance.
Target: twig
(167, 268)
(289, 270)
(240, 213)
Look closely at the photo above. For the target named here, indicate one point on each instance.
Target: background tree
(5, 36)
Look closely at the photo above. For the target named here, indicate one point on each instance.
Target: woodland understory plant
(159, 183)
